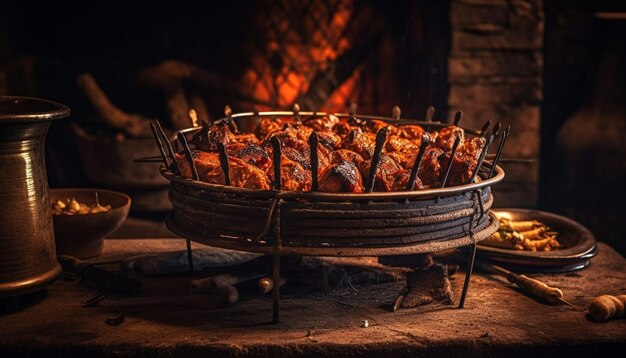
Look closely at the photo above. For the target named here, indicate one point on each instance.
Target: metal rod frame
(274, 216)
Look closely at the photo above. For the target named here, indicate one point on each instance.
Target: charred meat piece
(341, 177)
(446, 137)
(301, 132)
(430, 170)
(402, 151)
(398, 144)
(250, 153)
(303, 157)
(289, 137)
(247, 138)
(210, 135)
(464, 161)
(387, 174)
(473, 147)
(343, 128)
(412, 132)
(341, 155)
(321, 123)
(293, 176)
(360, 142)
(329, 140)
(204, 162)
(401, 181)
(375, 125)
(268, 126)
(242, 174)
(406, 160)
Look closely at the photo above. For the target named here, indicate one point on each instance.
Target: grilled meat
(341, 177)
(375, 125)
(464, 162)
(412, 132)
(210, 135)
(322, 123)
(360, 142)
(345, 151)
(289, 137)
(242, 174)
(293, 176)
(204, 162)
(446, 137)
(388, 174)
(268, 126)
(250, 153)
(430, 170)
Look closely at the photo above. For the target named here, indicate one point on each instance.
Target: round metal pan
(331, 224)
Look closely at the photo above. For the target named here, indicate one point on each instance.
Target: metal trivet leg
(468, 275)
(189, 256)
(276, 288)
(470, 265)
(276, 263)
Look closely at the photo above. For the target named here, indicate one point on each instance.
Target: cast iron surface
(579, 244)
(27, 252)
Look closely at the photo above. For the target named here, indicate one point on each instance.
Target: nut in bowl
(84, 217)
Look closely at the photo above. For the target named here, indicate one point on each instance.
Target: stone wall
(495, 73)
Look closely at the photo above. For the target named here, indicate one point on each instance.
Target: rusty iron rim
(416, 248)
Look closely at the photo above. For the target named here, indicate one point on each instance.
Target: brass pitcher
(27, 252)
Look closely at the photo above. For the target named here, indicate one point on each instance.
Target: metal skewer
(313, 143)
(481, 158)
(418, 161)
(430, 113)
(296, 113)
(496, 129)
(228, 112)
(168, 145)
(189, 155)
(485, 128)
(224, 162)
(505, 135)
(455, 146)
(395, 113)
(381, 138)
(457, 118)
(159, 144)
(277, 151)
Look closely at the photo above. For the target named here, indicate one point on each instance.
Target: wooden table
(167, 320)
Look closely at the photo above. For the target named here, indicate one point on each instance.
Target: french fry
(530, 235)
(521, 226)
(535, 234)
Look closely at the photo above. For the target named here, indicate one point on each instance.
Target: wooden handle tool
(266, 284)
(531, 286)
(104, 280)
(607, 307)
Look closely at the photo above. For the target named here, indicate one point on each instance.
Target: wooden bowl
(82, 236)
